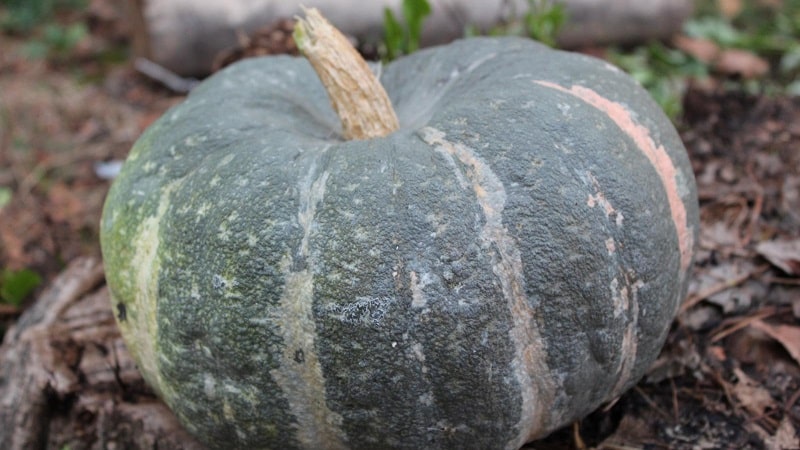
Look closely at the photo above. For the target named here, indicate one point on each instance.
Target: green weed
(542, 22)
(665, 72)
(403, 38)
(771, 33)
(21, 16)
(56, 41)
(15, 286)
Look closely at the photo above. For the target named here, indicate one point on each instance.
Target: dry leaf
(784, 254)
(751, 395)
(730, 8)
(785, 436)
(703, 50)
(741, 62)
(787, 335)
(726, 61)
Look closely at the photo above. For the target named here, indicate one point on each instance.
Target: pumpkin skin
(506, 262)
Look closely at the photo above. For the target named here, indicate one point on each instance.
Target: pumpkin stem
(356, 95)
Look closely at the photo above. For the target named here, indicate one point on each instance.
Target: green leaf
(393, 34)
(415, 12)
(714, 28)
(404, 38)
(790, 61)
(543, 20)
(16, 285)
(5, 196)
(793, 89)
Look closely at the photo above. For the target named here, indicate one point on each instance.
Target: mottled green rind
(231, 168)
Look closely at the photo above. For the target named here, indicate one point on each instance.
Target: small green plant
(56, 41)
(771, 33)
(543, 20)
(5, 196)
(665, 72)
(403, 38)
(15, 286)
(21, 16)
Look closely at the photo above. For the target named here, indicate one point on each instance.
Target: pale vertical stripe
(140, 330)
(624, 298)
(537, 388)
(299, 374)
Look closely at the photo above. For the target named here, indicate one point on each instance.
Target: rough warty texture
(507, 261)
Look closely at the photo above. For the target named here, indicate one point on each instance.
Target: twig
(722, 383)
(652, 404)
(576, 436)
(742, 323)
(755, 213)
(782, 280)
(675, 407)
(165, 76)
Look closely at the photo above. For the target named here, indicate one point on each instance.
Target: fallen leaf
(741, 62)
(787, 335)
(730, 8)
(751, 395)
(785, 436)
(725, 285)
(703, 50)
(783, 253)
(731, 61)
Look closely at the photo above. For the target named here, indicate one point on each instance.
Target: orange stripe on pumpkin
(657, 156)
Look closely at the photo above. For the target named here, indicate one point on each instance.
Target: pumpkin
(497, 262)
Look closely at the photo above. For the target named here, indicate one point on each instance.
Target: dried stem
(357, 96)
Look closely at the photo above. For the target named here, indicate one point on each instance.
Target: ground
(729, 376)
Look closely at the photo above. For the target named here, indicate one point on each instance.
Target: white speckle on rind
(416, 350)
(611, 247)
(224, 234)
(426, 399)
(203, 210)
(628, 295)
(252, 240)
(301, 379)
(599, 199)
(362, 311)
(209, 385)
(565, 109)
(418, 299)
(530, 355)
(619, 297)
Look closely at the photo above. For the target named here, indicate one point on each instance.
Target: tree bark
(67, 380)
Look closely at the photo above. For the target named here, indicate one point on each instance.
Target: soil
(729, 375)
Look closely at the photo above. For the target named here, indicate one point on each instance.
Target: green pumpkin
(508, 260)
